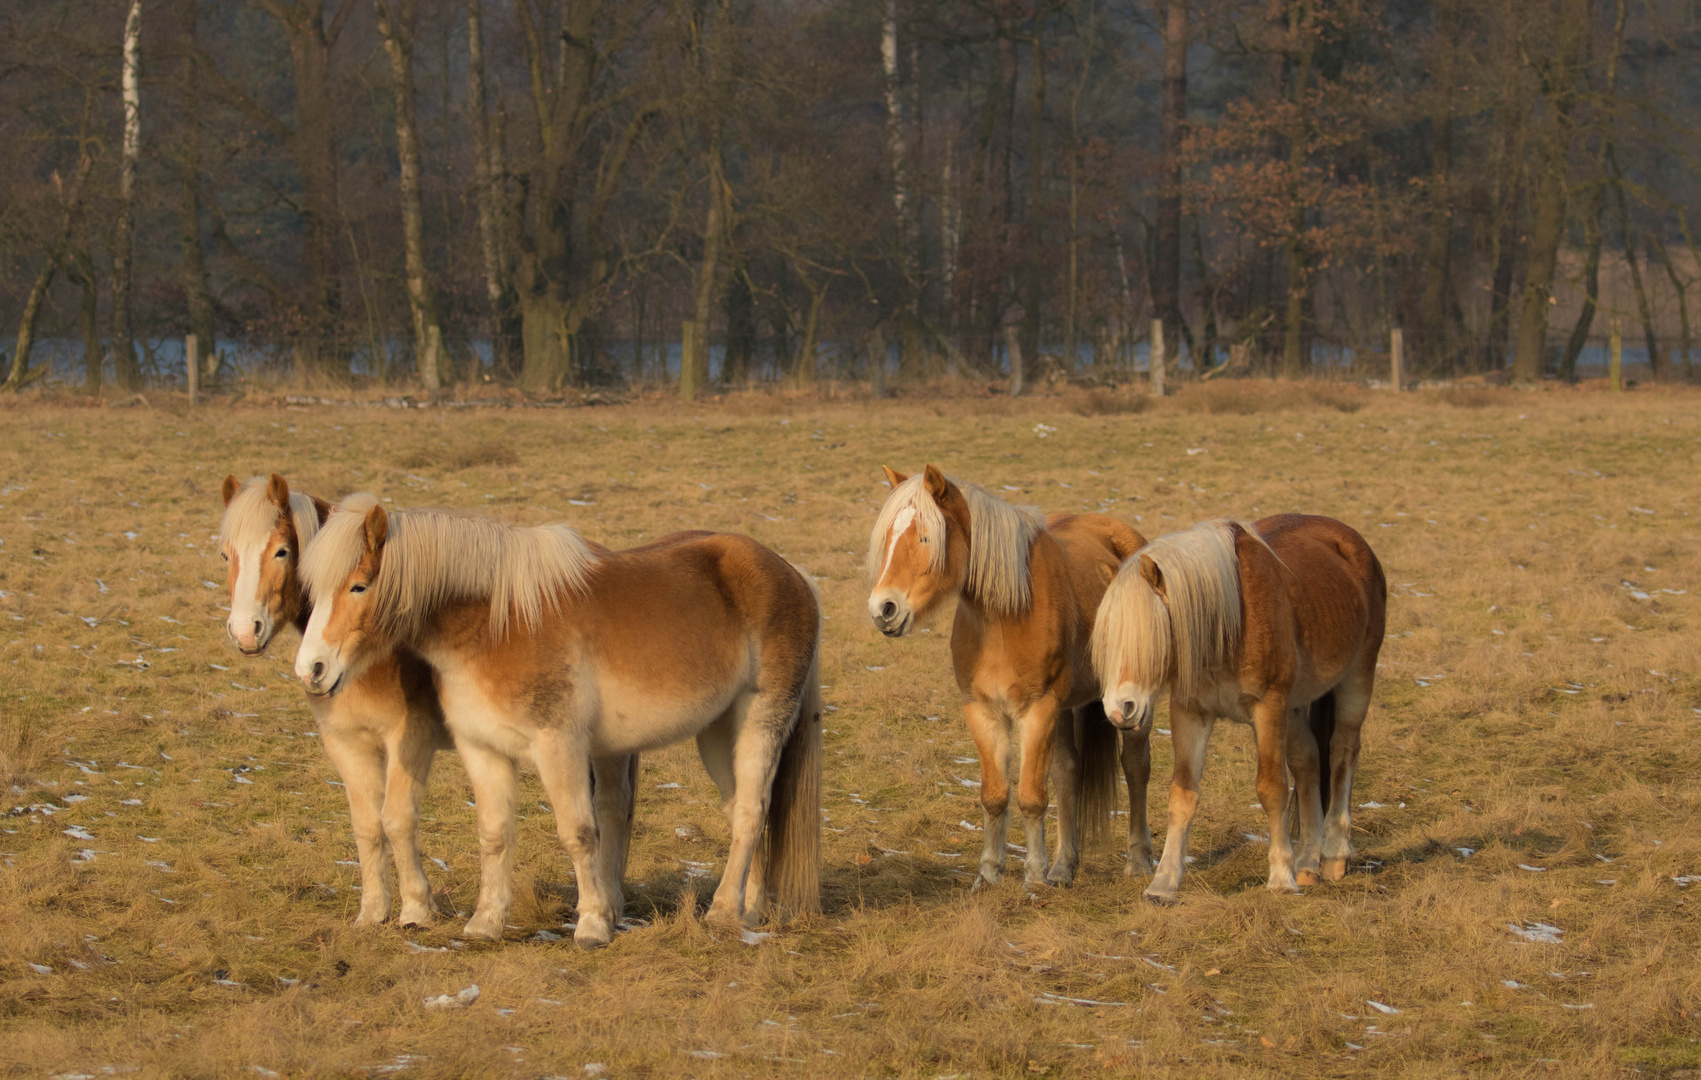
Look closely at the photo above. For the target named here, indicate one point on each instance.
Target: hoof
(371, 918)
(1286, 885)
(1061, 879)
(983, 882)
(416, 917)
(1306, 878)
(723, 918)
(1137, 867)
(482, 928)
(1334, 869)
(1160, 899)
(593, 933)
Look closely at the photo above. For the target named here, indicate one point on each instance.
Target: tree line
(716, 192)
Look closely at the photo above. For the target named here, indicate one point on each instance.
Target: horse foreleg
(1036, 730)
(616, 783)
(492, 778)
(1137, 769)
(1066, 765)
(1269, 726)
(992, 743)
(408, 773)
(1190, 733)
(565, 771)
(360, 763)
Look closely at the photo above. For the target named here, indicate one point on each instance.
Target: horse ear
(935, 481)
(322, 508)
(377, 529)
(231, 484)
(893, 476)
(1154, 576)
(277, 490)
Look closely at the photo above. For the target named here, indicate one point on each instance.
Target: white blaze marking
(905, 518)
(245, 595)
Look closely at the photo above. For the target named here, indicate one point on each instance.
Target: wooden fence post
(1159, 358)
(192, 365)
(1013, 345)
(1615, 369)
(1396, 358)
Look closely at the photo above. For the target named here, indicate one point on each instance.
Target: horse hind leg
(758, 739)
(1066, 774)
(715, 747)
(1269, 725)
(1309, 734)
(1352, 703)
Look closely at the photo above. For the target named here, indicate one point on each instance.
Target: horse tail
(1099, 762)
(1322, 719)
(794, 809)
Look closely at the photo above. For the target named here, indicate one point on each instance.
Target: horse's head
(1132, 647)
(915, 560)
(343, 635)
(260, 541)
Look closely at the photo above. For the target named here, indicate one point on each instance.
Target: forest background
(709, 193)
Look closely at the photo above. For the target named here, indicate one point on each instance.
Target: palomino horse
(1026, 590)
(1261, 624)
(551, 653)
(382, 734)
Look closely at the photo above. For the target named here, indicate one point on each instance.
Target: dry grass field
(177, 882)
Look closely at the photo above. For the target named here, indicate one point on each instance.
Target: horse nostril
(257, 627)
(888, 609)
(318, 668)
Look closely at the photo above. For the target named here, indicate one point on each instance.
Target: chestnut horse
(553, 654)
(1264, 624)
(382, 735)
(1027, 590)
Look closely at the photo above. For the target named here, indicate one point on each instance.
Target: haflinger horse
(382, 734)
(1278, 624)
(1027, 589)
(566, 658)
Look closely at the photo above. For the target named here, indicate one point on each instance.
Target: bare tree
(124, 365)
(488, 183)
(396, 23)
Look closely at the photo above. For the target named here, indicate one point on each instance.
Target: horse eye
(924, 539)
(357, 588)
(224, 556)
(283, 553)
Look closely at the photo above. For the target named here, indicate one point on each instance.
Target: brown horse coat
(1026, 595)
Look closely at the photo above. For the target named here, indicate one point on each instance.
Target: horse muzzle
(252, 637)
(891, 615)
(1128, 714)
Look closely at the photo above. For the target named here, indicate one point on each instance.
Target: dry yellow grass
(185, 908)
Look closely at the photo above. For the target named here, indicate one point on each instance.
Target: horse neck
(1041, 571)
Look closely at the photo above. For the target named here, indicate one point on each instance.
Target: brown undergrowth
(176, 877)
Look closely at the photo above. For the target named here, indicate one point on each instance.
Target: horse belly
(633, 718)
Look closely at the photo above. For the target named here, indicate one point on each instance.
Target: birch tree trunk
(694, 360)
(396, 22)
(125, 369)
(1592, 222)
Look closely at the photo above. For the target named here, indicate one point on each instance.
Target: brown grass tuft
(1124, 402)
(456, 458)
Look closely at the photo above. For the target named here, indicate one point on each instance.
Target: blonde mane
(1195, 631)
(432, 557)
(1000, 536)
(250, 517)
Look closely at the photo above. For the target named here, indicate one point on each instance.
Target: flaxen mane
(432, 557)
(1139, 633)
(1000, 536)
(251, 516)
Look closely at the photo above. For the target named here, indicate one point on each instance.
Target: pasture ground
(176, 870)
